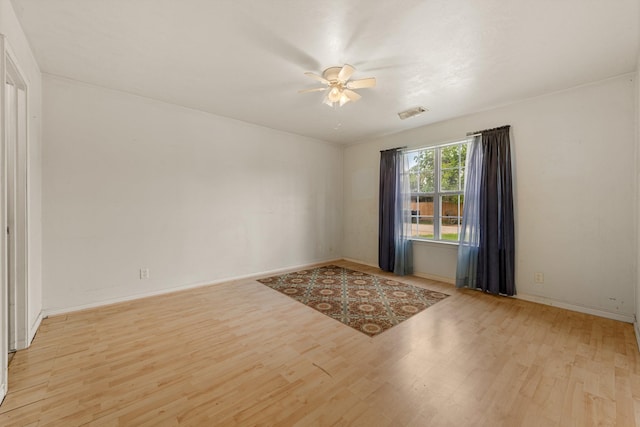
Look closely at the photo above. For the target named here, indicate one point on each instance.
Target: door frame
(4, 317)
(19, 337)
(18, 249)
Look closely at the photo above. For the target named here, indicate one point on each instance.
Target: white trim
(436, 243)
(628, 318)
(357, 261)
(56, 311)
(21, 205)
(636, 329)
(15, 64)
(449, 280)
(34, 328)
(4, 304)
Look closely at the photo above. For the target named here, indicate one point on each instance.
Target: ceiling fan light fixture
(411, 112)
(334, 94)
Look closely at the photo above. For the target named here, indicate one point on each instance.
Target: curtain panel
(394, 245)
(486, 255)
(466, 268)
(403, 245)
(387, 210)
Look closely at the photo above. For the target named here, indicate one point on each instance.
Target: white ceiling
(245, 59)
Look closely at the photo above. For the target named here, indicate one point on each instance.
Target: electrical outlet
(144, 273)
(538, 277)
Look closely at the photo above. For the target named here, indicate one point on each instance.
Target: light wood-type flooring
(240, 353)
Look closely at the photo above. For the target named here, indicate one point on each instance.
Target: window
(436, 177)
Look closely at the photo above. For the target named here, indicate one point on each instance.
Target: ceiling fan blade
(345, 72)
(362, 83)
(317, 77)
(351, 95)
(315, 89)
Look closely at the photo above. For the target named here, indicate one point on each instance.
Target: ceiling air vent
(411, 112)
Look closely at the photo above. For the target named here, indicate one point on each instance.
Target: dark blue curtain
(496, 253)
(387, 210)
(487, 261)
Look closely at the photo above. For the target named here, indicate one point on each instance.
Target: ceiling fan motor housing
(331, 73)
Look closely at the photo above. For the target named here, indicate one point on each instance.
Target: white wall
(131, 182)
(575, 195)
(19, 47)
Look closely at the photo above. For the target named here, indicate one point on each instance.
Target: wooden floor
(240, 353)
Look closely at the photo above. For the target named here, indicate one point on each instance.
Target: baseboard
(65, 310)
(24, 341)
(628, 318)
(357, 261)
(34, 328)
(292, 268)
(636, 328)
(450, 280)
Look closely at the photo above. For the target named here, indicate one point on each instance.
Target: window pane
(414, 178)
(414, 218)
(450, 205)
(424, 206)
(451, 209)
(422, 217)
(413, 172)
(463, 164)
(423, 172)
(450, 232)
(452, 162)
(450, 180)
(450, 156)
(424, 227)
(463, 154)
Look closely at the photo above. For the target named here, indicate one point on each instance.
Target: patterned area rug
(370, 304)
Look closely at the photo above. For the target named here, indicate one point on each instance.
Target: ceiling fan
(338, 86)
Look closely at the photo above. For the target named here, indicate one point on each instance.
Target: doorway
(13, 210)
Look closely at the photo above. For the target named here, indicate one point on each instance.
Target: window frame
(438, 192)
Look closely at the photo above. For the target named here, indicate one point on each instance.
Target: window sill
(435, 243)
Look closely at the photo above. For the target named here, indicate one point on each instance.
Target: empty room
(296, 213)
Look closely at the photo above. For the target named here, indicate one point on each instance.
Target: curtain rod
(479, 132)
(394, 149)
